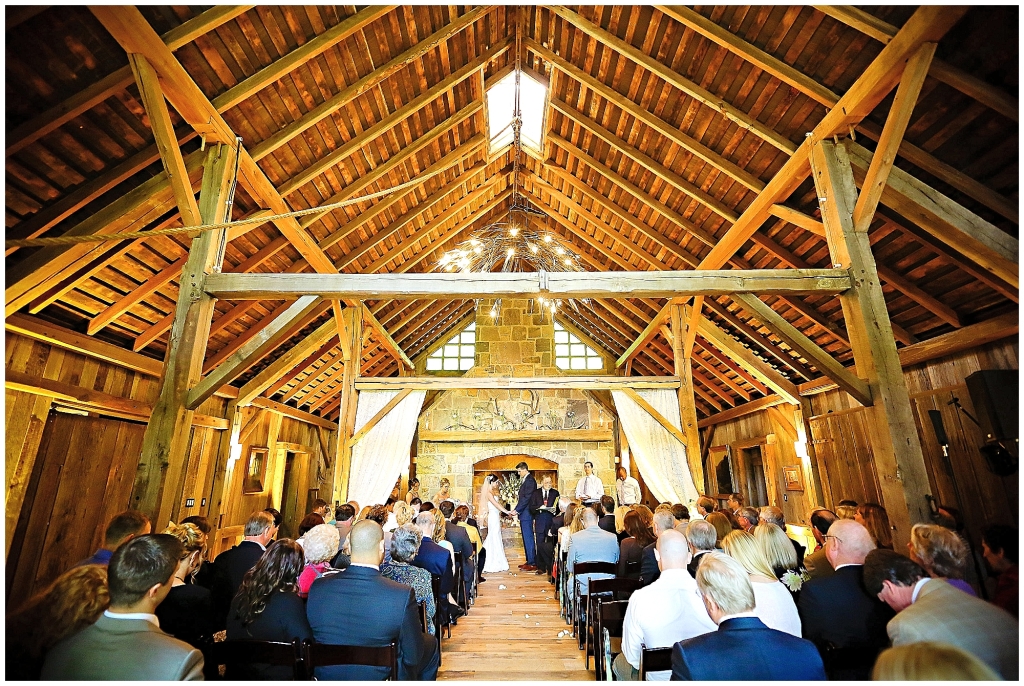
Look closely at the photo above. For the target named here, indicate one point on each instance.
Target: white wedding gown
(496, 560)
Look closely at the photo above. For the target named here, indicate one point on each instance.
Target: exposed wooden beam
(762, 342)
(588, 435)
(765, 374)
(681, 322)
(386, 340)
(731, 364)
(294, 413)
(741, 410)
(798, 218)
(136, 295)
(593, 383)
(269, 375)
(973, 336)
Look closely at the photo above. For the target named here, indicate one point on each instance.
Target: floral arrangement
(508, 488)
(794, 580)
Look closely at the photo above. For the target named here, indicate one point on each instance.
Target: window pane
(574, 339)
(562, 362)
(577, 349)
(561, 337)
(433, 364)
(468, 351)
(465, 363)
(451, 351)
(561, 349)
(595, 363)
(577, 363)
(451, 364)
(468, 337)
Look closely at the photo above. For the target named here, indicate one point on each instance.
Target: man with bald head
(667, 611)
(837, 613)
(362, 608)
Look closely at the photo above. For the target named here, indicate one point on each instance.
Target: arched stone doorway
(506, 464)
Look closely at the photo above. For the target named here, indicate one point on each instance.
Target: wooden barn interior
(845, 178)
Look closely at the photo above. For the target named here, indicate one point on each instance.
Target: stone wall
(518, 343)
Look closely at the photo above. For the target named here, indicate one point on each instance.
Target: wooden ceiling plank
(386, 340)
(741, 410)
(969, 337)
(724, 378)
(288, 376)
(266, 378)
(731, 347)
(136, 295)
(731, 364)
(762, 342)
(798, 218)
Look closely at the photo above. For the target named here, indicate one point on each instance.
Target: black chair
(608, 619)
(274, 653)
(460, 583)
(654, 660)
(580, 605)
(423, 616)
(606, 589)
(633, 569)
(440, 621)
(323, 655)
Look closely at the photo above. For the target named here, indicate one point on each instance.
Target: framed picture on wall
(793, 477)
(255, 470)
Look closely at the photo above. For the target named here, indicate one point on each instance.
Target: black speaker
(994, 396)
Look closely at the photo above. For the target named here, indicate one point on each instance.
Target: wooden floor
(511, 634)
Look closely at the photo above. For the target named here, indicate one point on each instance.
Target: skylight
(455, 355)
(501, 103)
(572, 353)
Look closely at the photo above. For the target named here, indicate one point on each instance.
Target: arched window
(572, 353)
(458, 354)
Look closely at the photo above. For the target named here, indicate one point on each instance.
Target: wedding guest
(278, 518)
(735, 502)
(930, 661)
(187, 612)
(415, 505)
(748, 518)
(702, 537)
(363, 513)
(774, 515)
(573, 523)
(999, 546)
(344, 518)
(816, 564)
(591, 544)
(379, 514)
(775, 606)
(435, 560)
(308, 522)
(667, 611)
(631, 549)
(204, 576)
(589, 489)
(125, 643)
(932, 610)
(438, 535)
(682, 516)
(705, 506)
(74, 600)
(268, 608)
(321, 508)
(620, 522)
(874, 518)
(121, 527)
(846, 509)
(444, 492)
(722, 526)
(405, 543)
(232, 564)
(319, 546)
(606, 512)
(649, 570)
(849, 647)
(362, 608)
(459, 538)
(776, 548)
(942, 554)
(626, 487)
(401, 515)
(414, 490)
(743, 648)
(542, 501)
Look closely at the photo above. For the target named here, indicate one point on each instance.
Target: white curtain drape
(658, 455)
(378, 458)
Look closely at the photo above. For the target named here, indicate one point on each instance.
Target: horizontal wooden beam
(588, 435)
(281, 366)
(557, 284)
(741, 410)
(973, 336)
(293, 413)
(447, 383)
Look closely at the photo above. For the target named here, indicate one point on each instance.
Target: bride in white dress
(496, 560)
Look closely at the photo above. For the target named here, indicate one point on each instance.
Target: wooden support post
(680, 318)
(895, 445)
(350, 333)
(167, 435)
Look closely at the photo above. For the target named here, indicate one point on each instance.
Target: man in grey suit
(932, 610)
(126, 642)
(592, 544)
(816, 563)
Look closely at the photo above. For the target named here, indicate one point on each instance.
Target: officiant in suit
(523, 509)
(544, 497)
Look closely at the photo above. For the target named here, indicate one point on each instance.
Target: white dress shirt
(628, 491)
(151, 618)
(775, 607)
(660, 615)
(590, 488)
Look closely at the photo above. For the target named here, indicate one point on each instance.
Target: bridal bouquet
(508, 489)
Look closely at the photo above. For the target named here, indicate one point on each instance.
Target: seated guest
(566, 531)
(667, 611)
(775, 606)
(401, 514)
(267, 608)
(874, 518)
(437, 561)
(205, 575)
(187, 612)
(999, 547)
(620, 523)
(363, 513)
(319, 546)
(461, 518)
(344, 517)
(846, 509)
(278, 518)
(682, 516)
(776, 548)
(734, 502)
(234, 563)
(649, 572)
(126, 643)
(701, 536)
(632, 548)
(307, 523)
(405, 543)
(932, 610)
(360, 607)
(438, 536)
(592, 544)
(606, 510)
(459, 538)
(941, 553)
(722, 525)
(415, 505)
(72, 602)
(427, 506)
(379, 514)
(930, 662)
(838, 614)
(774, 515)
(816, 564)
(748, 518)
(743, 648)
(122, 527)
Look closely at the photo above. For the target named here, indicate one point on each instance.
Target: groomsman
(589, 489)
(545, 496)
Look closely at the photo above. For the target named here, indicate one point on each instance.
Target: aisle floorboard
(496, 641)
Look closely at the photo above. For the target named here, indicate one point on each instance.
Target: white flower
(794, 580)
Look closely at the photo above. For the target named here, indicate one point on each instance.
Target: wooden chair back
(654, 660)
(608, 619)
(324, 655)
(275, 653)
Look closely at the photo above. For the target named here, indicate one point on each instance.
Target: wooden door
(294, 492)
(719, 468)
(845, 461)
(82, 477)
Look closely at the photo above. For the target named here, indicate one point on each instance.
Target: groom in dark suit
(526, 490)
(545, 496)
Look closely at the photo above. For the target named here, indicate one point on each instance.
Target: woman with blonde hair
(72, 602)
(565, 530)
(577, 520)
(777, 548)
(318, 547)
(874, 518)
(942, 553)
(930, 661)
(722, 526)
(438, 537)
(773, 603)
(187, 611)
(620, 522)
(363, 513)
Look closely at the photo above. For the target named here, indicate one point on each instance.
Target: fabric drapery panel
(658, 455)
(378, 458)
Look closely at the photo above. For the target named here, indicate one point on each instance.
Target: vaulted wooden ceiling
(663, 124)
